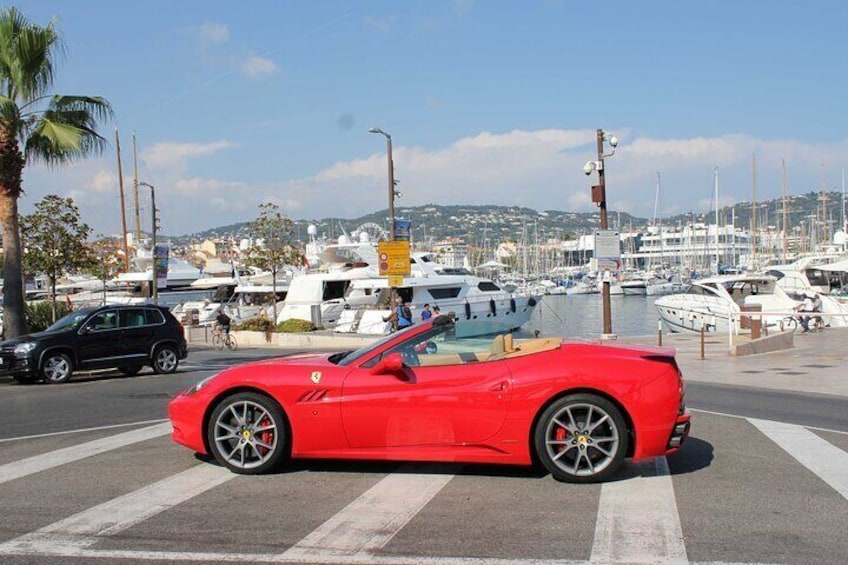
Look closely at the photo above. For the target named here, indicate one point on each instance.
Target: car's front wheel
(247, 433)
(165, 359)
(56, 368)
(581, 438)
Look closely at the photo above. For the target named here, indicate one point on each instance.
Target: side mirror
(391, 364)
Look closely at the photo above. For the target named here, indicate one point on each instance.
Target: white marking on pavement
(637, 519)
(37, 463)
(817, 428)
(827, 461)
(83, 529)
(369, 522)
(83, 430)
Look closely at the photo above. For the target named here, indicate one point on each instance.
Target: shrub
(38, 314)
(256, 325)
(294, 325)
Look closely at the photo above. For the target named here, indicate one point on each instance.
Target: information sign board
(607, 244)
(393, 257)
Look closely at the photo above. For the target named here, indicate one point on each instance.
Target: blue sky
(488, 102)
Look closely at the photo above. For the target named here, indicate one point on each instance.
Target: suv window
(103, 321)
(133, 318)
(154, 316)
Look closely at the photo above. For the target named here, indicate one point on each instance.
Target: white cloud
(174, 157)
(541, 169)
(255, 67)
(210, 33)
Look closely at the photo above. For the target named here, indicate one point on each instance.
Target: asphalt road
(82, 465)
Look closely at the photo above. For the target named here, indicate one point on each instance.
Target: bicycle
(792, 323)
(221, 340)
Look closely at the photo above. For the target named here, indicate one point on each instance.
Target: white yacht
(352, 300)
(715, 303)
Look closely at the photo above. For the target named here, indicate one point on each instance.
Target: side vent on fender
(312, 395)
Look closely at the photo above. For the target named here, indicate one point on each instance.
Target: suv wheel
(56, 368)
(165, 359)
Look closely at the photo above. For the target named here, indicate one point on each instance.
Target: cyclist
(222, 323)
(804, 308)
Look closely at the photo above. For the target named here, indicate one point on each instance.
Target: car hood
(25, 338)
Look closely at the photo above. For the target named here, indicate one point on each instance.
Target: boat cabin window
(444, 293)
(817, 277)
(487, 286)
(334, 289)
(776, 274)
(698, 289)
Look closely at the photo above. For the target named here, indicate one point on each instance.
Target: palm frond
(26, 56)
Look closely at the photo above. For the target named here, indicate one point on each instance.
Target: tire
(581, 438)
(130, 371)
(165, 359)
(789, 324)
(56, 368)
(217, 341)
(232, 344)
(247, 433)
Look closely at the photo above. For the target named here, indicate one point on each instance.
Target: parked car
(426, 394)
(124, 337)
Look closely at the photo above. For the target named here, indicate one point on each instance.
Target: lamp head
(375, 130)
(613, 141)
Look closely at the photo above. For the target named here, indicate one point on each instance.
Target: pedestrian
(401, 316)
(436, 311)
(426, 314)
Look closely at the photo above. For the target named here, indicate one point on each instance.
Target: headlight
(24, 348)
(197, 386)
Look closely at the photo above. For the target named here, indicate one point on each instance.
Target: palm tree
(34, 126)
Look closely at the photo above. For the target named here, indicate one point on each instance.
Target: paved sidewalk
(817, 364)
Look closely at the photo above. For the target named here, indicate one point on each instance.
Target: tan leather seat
(509, 344)
(498, 345)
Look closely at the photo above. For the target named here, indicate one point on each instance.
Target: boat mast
(754, 214)
(123, 205)
(785, 211)
(135, 185)
(715, 173)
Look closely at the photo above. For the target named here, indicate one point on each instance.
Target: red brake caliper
(266, 436)
(560, 435)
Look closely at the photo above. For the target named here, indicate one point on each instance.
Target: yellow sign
(393, 258)
(395, 280)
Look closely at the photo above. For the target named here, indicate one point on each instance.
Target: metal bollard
(703, 333)
(659, 333)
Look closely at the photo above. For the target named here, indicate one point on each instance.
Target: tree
(56, 241)
(276, 249)
(34, 126)
(108, 260)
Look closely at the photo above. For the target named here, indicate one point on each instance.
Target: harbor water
(581, 316)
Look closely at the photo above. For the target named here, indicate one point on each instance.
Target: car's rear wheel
(165, 359)
(247, 433)
(56, 368)
(581, 438)
(130, 371)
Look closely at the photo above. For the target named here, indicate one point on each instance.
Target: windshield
(353, 356)
(69, 322)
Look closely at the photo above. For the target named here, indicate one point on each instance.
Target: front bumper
(186, 415)
(14, 365)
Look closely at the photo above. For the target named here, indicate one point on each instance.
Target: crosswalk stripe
(637, 519)
(37, 463)
(824, 459)
(369, 522)
(118, 514)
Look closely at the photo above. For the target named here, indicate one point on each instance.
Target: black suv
(126, 337)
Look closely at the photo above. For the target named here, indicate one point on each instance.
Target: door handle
(499, 387)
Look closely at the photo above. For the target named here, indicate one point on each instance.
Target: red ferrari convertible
(426, 394)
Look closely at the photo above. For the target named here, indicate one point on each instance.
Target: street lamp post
(154, 281)
(391, 171)
(599, 196)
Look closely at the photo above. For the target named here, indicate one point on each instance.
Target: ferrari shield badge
(316, 377)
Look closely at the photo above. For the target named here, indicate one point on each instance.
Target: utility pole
(135, 184)
(123, 204)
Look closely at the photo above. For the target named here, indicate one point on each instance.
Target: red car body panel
(480, 412)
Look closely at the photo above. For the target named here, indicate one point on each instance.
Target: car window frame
(84, 327)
